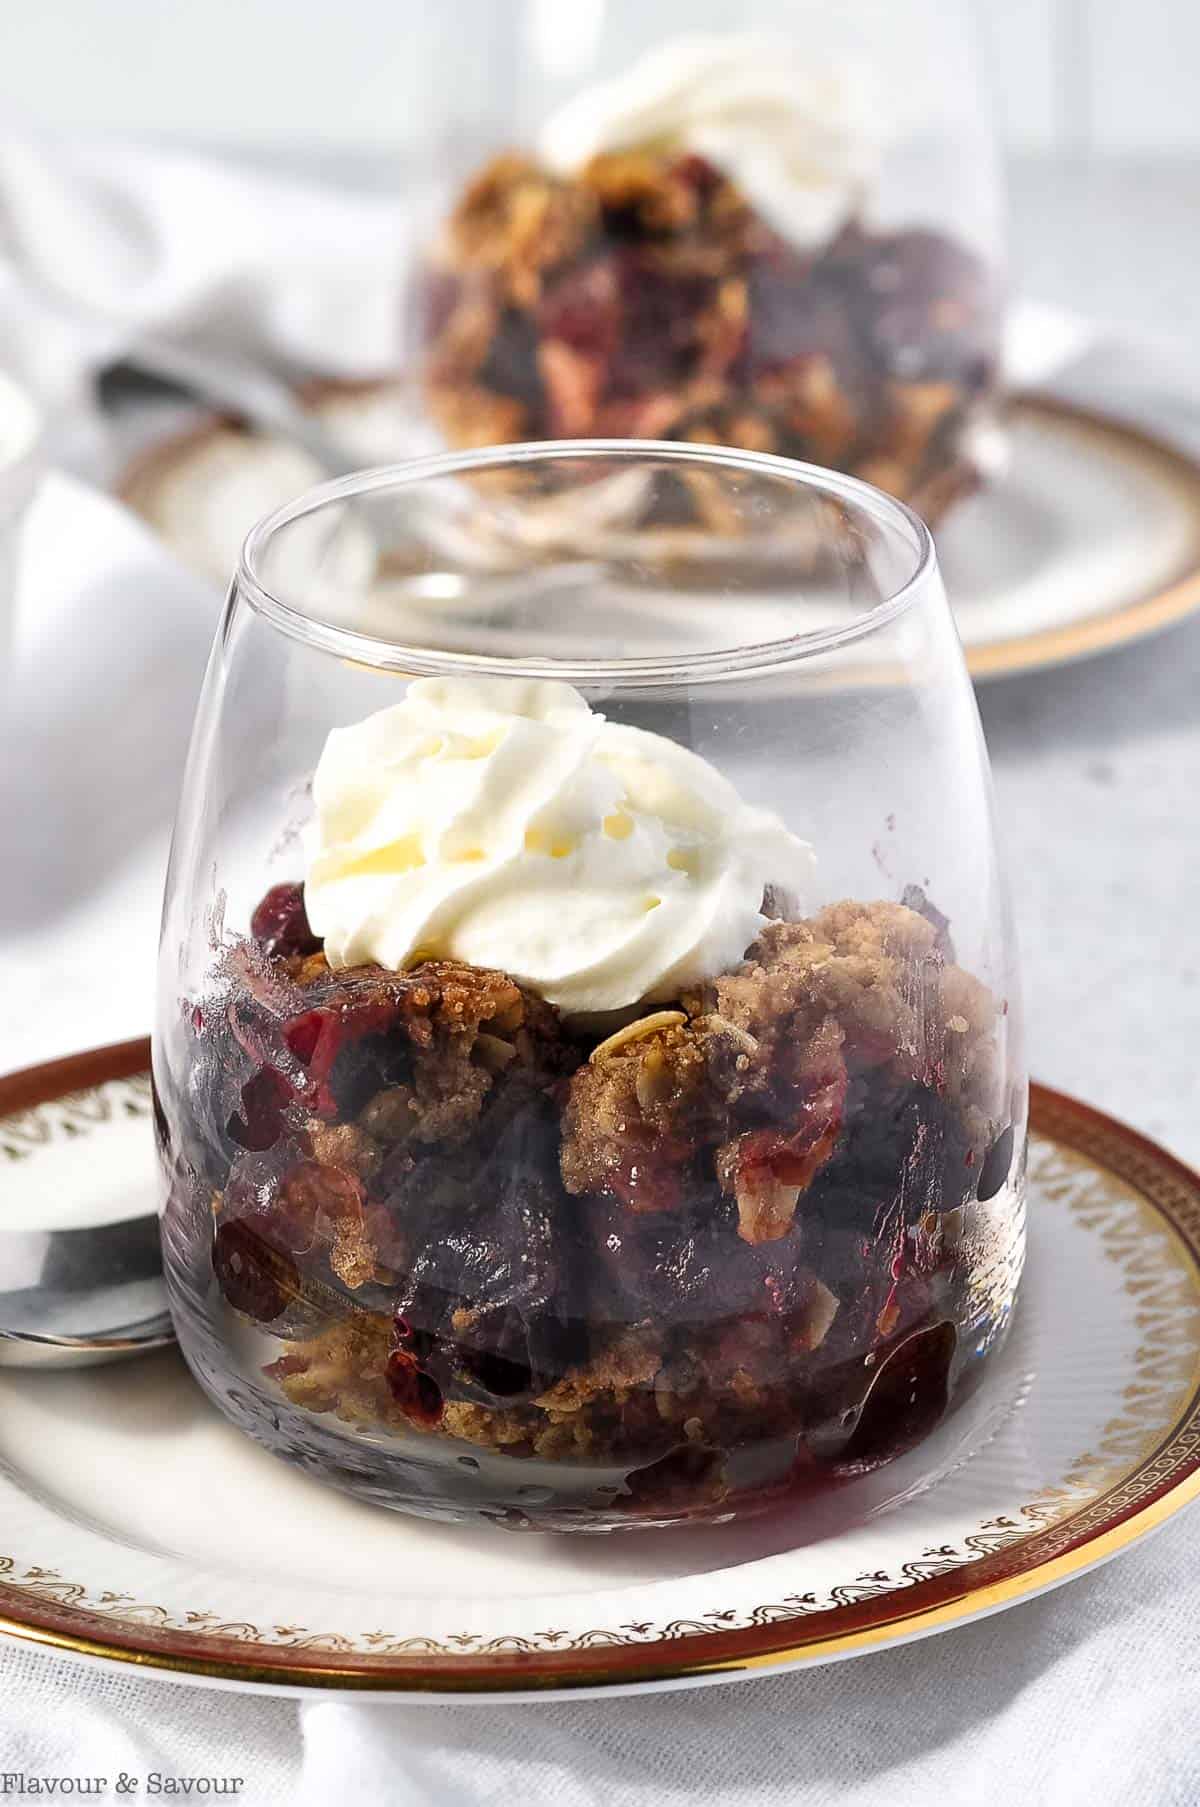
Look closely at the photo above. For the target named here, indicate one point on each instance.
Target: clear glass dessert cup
(597, 1101)
(779, 229)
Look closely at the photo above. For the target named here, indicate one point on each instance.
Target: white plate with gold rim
(137, 1526)
(1088, 539)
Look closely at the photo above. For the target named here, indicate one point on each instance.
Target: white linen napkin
(96, 704)
(102, 241)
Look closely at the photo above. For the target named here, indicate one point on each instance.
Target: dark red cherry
(256, 1277)
(907, 1398)
(260, 1122)
(996, 1164)
(418, 1396)
(280, 923)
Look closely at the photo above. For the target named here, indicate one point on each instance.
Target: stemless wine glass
(748, 1229)
(776, 226)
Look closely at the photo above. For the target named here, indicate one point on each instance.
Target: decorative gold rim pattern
(74, 1114)
(1114, 1493)
(1133, 620)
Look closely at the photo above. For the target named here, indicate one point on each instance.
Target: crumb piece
(751, 1085)
(342, 1370)
(632, 1361)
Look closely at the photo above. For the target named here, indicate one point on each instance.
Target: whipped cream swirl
(795, 129)
(505, 823)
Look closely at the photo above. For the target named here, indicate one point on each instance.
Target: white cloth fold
(96, 704)
(102, 242)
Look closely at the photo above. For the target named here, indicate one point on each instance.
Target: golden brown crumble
(689, 1145)
(644, 297)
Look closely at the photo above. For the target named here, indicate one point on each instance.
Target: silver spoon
(70, 1298)
(253, 395)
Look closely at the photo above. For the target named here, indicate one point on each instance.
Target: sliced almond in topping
(494, 1053)
(743, 1037)
(959, 1024)
(820, 1309)
(653, 1083)
(766, 1207)
(633, 1032)
(509, 1017)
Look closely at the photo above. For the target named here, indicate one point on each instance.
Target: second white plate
(1090, 538)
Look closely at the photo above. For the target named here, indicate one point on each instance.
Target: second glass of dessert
(780, 234)
(588, 1068)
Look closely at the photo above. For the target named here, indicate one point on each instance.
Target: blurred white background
(1109, 76)
(1097, 101)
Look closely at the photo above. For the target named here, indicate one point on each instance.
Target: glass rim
(416, 660)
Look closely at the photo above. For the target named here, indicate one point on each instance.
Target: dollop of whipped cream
(506, 824)
(798, 131)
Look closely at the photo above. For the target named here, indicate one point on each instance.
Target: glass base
(932, 1373)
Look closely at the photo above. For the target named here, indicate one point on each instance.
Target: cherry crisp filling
(646, 298)
(740, 1221)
